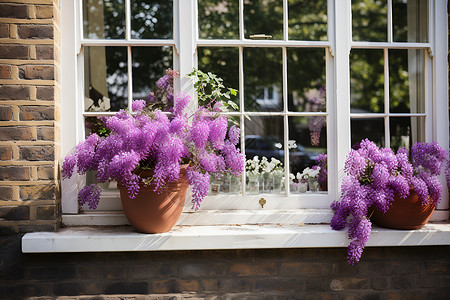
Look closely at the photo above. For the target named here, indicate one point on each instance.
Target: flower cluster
(151, 139)
(255, 167)
(316, 123)
(309, 173)
(373, 176)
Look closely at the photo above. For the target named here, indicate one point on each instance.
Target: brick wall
(29, 47)
(384, 273)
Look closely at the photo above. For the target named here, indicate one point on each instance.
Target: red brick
(5, 71)
(253, 269)
(15, 213)
(35, 31)
(175, 286)
(37, 72)
(45, 212)
(45, 52)
(14, 173)
(37, 192)
(8, 51)
(37, 113)
(5, 113)
(46, 93)
(18, 11)
(36, 153)
(4, 30)
(15, 133)
(6, 193)
(14, 92)
(45, 133)
(46, 173)
(5, 152)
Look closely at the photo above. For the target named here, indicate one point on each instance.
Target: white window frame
(185, 41)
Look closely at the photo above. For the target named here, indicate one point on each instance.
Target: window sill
(124, 238)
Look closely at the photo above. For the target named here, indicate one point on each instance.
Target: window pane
(369, 20)
(406, 81)
(306, 80)
(104, 19)
(222, 61)
(106, 78)
(263, 139)
(149, 64)
(307, 139)
(218, 19)
(263, 17)
(263, 79)
(372, 128)
(151, 19)
(367, 80)
(406, 131)
(308, 20)
(410, 20)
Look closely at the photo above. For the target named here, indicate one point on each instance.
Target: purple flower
(89, 195)
(138, 105)
(200, 186)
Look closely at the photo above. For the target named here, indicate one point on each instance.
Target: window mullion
(127, 20)
(389, 22)
(387, 138)
(343, 37)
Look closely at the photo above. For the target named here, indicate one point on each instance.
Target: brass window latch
(260, 36)
(262, 201)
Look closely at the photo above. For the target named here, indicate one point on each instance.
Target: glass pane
(306, 80)
(308, 20)
(410, 20)
(372, 128)
(406, 81)
(367, 80)
(263, 79)
(151, 19)
(406, 131)
(104, 19)
(222, 61)
(106, 78)
(263, 17)
(149, 64)
(218, 19)
(369, 20)
(307, 140)
(263, 143)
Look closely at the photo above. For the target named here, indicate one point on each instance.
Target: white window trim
(185, 37)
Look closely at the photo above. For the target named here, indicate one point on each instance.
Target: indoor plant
(374, 176)
(148, 147)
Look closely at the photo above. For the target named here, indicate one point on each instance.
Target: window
(313, 77)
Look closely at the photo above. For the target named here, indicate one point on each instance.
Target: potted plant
(156, 151)
(376, 179)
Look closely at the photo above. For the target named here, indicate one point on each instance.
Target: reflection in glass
(264, 142)
(218, 19)
(106, 78)
(263, 79)
(406, 81)
(222, 61)
(406, 131)
(410, 20)
(306, 80)
(367, 80)
(308, 20)
(151, 19)
(372, 128)
(104, 19)
(369, 20)
(307, 139)
(149, 64)
(263, 17)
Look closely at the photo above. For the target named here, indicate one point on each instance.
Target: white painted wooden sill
(124, 238)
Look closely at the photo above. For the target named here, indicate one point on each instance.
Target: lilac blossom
(374, 176)
(159, 141)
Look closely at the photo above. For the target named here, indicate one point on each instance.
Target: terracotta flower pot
(152, 212)
(408, 213)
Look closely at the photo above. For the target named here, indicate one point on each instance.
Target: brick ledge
(124, 238)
